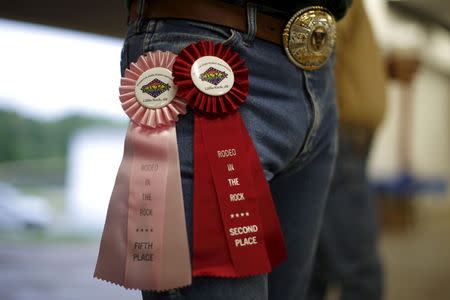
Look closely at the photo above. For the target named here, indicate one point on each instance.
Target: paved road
(54, 272)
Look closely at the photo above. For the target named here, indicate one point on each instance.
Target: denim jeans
(347, 254)
(290, 115)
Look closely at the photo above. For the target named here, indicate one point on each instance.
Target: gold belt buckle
(309, 37)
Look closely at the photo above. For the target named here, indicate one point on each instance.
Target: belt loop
(139, 14)
(252, 10)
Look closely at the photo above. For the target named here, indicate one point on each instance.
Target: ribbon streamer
(236, 228)
(144, 243)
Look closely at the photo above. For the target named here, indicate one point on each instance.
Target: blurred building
(93, 160)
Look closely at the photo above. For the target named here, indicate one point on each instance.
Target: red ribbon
(236, 228)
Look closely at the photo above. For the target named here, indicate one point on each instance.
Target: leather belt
(269, 28)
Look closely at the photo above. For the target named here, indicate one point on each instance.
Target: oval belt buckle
(309, 37)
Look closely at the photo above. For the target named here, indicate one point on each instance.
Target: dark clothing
(286, 8)
(347, 255)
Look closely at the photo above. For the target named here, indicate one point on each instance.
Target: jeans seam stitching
(149, 33)
(251, 9)
(315, 116)
(312, 129)
(232, 40)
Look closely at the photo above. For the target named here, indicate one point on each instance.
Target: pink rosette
(138, 113)
(144, 243)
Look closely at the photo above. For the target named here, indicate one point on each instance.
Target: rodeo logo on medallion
(155, 88)
(213, 76)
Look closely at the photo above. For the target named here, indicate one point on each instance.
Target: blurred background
(62, 131)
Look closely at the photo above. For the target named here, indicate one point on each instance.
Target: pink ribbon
(144, 244)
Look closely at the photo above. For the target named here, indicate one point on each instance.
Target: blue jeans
(291, 116)
(347, 254)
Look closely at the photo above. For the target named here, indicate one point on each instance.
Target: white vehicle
(22, 211)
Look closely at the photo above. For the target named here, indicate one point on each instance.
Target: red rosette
(236, 232)
(200, 101)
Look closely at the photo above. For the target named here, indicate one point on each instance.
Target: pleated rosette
(220, 86)
(146, 98)
(144, 243)
(236, 231)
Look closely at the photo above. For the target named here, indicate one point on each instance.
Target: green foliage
(24, 138)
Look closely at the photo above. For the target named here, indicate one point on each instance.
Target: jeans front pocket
(174, 34)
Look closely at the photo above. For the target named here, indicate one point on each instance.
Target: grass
(42, 236)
